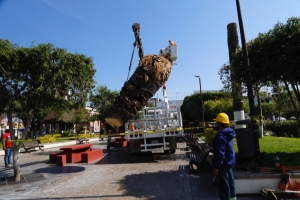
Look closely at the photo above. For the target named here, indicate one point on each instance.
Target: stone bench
(61, 160)
(52, 157)
(91, 156)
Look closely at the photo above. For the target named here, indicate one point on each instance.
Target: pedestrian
(7, 147)
(42, 131)
(224, 157)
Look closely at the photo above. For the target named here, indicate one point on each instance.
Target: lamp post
(202, 108)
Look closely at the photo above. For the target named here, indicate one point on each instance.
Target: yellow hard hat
(223, 118)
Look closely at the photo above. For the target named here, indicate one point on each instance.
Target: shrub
(65, 134)
(46, 139)
(287, 128)
(57, 135)
(82, 132)
(210, 135)
(82, 128)
(84, 135)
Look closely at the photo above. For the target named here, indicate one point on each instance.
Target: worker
(224, 157)
(132, 127)
(172, 43)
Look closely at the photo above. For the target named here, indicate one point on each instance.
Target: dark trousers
(226, 184)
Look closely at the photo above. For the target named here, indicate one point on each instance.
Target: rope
(131, 61)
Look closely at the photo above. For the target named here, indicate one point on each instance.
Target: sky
(101, 29)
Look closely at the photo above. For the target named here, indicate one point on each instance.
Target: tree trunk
(152, 72)
(233, 42)
(14, 153)
(17, 170)
(292, 100)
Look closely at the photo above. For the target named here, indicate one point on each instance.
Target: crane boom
(138, 41)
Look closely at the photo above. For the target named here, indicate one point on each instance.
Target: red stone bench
(61, 160)
(52, 156)
(73, 152)
(90, 156)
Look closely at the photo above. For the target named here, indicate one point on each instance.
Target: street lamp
(202, 108)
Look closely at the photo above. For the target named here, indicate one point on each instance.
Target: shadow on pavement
(123, 157)
(60, 170)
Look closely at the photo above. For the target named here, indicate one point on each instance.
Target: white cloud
(61, 9)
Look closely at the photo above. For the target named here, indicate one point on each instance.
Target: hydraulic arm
(138, 41)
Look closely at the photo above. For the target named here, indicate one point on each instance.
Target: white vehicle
(157, 131)
(18, 132)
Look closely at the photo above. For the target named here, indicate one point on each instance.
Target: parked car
(280, 118)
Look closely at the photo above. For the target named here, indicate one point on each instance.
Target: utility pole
(246, 61)
(202, 108)
(248, 78)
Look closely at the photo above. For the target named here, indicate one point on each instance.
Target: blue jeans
(7, 156)
(226, 184)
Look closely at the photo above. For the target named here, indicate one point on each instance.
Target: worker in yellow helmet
(224, 157)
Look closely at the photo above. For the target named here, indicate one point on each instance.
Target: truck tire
(166, 151)
(172, 151)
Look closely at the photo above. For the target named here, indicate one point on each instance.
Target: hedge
(287, 128)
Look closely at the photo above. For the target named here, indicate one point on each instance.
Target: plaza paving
(118, 175)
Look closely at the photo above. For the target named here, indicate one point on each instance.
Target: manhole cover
(34, 177)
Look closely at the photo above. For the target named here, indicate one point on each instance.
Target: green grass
(287, 149)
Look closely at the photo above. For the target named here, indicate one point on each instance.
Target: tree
(40, 77)
(191, 107)
(232, 40)
(281, 99)
(274, 55)
(102, 99)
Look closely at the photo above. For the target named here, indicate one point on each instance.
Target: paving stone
(118, 175)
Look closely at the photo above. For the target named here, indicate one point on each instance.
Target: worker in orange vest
(132, 127)
(172, 43)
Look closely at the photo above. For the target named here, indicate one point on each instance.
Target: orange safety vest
(132, 128)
